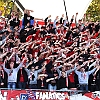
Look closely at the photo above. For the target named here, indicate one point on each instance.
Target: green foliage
(5, 7)
(93, 12)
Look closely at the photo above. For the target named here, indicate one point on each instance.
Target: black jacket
(24, 74)
(62, 83)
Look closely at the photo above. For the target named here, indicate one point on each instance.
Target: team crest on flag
(23, 96)
(31, 94)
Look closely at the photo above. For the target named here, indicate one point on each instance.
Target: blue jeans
(84, 87)
(50, 87)
(11, 85)
(11, 27)
(21, 85)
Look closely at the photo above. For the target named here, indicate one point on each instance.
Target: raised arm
(50, 79)
(4, 54)
(69, 58)
(71, 70)
(26, 10)
(5, 69)
(76, 18)
(76, 70)
(92, 71)
(4, 40)
(58, 70)
(93, 64)
(27, 67)
(11, 55)
(27, 71)
(54, 23)
(38, 18)
(40, 70)
(21, 64)
(96, 71)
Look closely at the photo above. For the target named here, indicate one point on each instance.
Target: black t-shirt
(61, 20)
(46, 21)
(27, 19)
(61, 83)
(11, 23)
(16, 22)
(39, 84)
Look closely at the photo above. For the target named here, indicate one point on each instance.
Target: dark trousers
(32, 86)
(93, 88)
(84, 87)
(21, 85)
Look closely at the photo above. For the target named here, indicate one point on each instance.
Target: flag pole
(65, 9)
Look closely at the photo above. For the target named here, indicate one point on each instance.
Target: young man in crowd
(83, 76)
(22, 78)
(33, 76)
(63, 76)
(12, 74)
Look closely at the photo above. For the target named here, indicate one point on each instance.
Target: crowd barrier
(42, 23)
(29, 94)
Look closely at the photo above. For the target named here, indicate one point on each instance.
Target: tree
(93, 11)
(6, 6)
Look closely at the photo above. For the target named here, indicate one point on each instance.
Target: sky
(43, 8)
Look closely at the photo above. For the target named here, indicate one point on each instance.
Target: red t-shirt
(21, 77)
(71, 77)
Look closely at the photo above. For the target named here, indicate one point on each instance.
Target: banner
(93, 95)
(46, 95)
(32, 95)
(86, 96)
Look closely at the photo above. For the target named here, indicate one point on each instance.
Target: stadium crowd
(64, 54)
